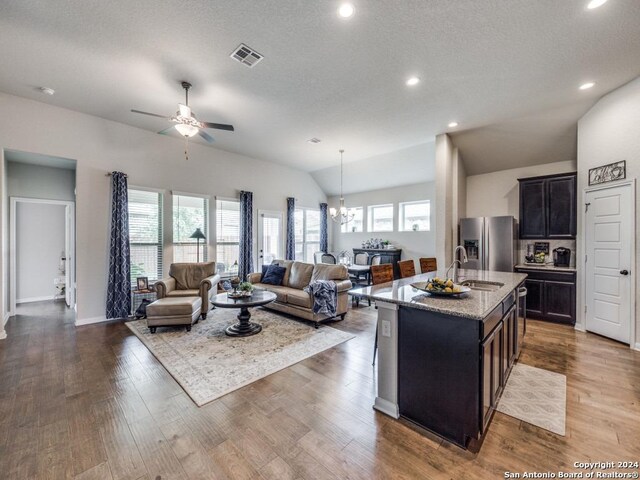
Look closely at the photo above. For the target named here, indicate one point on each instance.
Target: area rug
(209, 364)
(536, 396)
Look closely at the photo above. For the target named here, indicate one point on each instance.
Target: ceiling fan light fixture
(186, 130)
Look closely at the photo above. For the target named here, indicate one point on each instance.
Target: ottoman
(173, 312)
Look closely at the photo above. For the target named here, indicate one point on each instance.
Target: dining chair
(380, 274)
(428, 265)
(328, 258)
(376, 259)
(317, 257)
(361, 259)
(407, 268)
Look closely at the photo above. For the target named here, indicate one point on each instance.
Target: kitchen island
(443, 361)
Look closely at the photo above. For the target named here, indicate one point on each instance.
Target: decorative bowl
(423, 286)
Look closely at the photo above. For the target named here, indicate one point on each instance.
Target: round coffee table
(244, 327)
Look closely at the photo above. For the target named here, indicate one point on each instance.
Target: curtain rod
(109, 174)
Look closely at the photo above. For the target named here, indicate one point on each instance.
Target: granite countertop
(545, 266)
(475, 304)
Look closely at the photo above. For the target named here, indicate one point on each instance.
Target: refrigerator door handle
(487, 239)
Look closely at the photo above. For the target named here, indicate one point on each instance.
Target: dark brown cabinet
(452, 370)
(548, 206)
(551, 295)
(492, 374)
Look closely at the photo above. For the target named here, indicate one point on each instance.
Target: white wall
(151, 160)
(40, 242)
(36, 181)
(451, 197)
(610, 132)
(413, 244)
(497, 193)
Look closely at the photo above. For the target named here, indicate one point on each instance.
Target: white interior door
(608, 264)
(70, 267)
(270, 237)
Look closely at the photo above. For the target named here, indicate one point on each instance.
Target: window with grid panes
(189, 213)
(227, 235)
(307, 229)
(145, 234)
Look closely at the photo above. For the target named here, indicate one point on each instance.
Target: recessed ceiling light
(453, 124)
(595, 4)
(47, 90)
(346, 10)
(413, 81)
(587, 86)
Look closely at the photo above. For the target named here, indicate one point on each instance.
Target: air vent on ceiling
(246, 55)
(314, 140)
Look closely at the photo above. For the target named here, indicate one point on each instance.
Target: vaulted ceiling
(507, 70)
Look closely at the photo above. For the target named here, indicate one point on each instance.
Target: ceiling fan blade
(151, 114)
(184, 110)
(206, 136)
(219, 126)
(167, 130)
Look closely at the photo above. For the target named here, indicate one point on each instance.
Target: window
(227, 235)
(357, 224)
(415, 216)
(145, 234)
(307, 233)
(380, 218)
(189, 213)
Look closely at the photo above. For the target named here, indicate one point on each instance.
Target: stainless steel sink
(482, 285)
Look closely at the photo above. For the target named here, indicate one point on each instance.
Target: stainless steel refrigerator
(491, 242)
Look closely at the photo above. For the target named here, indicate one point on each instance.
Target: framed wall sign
(608, 173)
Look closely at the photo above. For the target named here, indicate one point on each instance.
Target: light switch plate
(386, 328)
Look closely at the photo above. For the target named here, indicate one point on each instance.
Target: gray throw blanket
(325, 296)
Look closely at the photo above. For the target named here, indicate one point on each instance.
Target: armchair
(190, 280)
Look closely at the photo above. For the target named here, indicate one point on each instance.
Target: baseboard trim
(387, 407)
(637, 346)
(580, 327)
(3, 334)
(6, 318)
(89, 321)
(35, 299)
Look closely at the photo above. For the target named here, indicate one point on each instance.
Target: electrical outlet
(386, 328)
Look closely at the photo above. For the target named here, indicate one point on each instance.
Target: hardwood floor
(93, 403)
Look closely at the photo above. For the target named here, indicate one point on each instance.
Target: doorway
(270, 238)
(42, 251)
(610, 261)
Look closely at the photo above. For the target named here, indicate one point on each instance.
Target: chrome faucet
(457, 262)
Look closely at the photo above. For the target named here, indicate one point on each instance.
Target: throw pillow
(273, 275)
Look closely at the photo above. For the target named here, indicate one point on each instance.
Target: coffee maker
(561, 257)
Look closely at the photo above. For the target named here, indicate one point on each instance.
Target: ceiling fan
(185, 121)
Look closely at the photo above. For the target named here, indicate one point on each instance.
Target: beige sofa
(291, 297)
(190, 280)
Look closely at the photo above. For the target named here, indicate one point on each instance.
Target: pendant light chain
(341, 215)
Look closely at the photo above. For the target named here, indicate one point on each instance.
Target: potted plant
(246, 288)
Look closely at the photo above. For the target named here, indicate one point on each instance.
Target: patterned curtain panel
(245, 263)
(119, 282)
(290, 252)
(324, 238)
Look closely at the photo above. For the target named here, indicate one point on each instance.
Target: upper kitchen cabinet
(548, 206)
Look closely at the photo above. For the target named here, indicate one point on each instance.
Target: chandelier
(342, 214)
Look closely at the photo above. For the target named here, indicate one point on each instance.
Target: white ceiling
(403, 167)
(481, 63)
